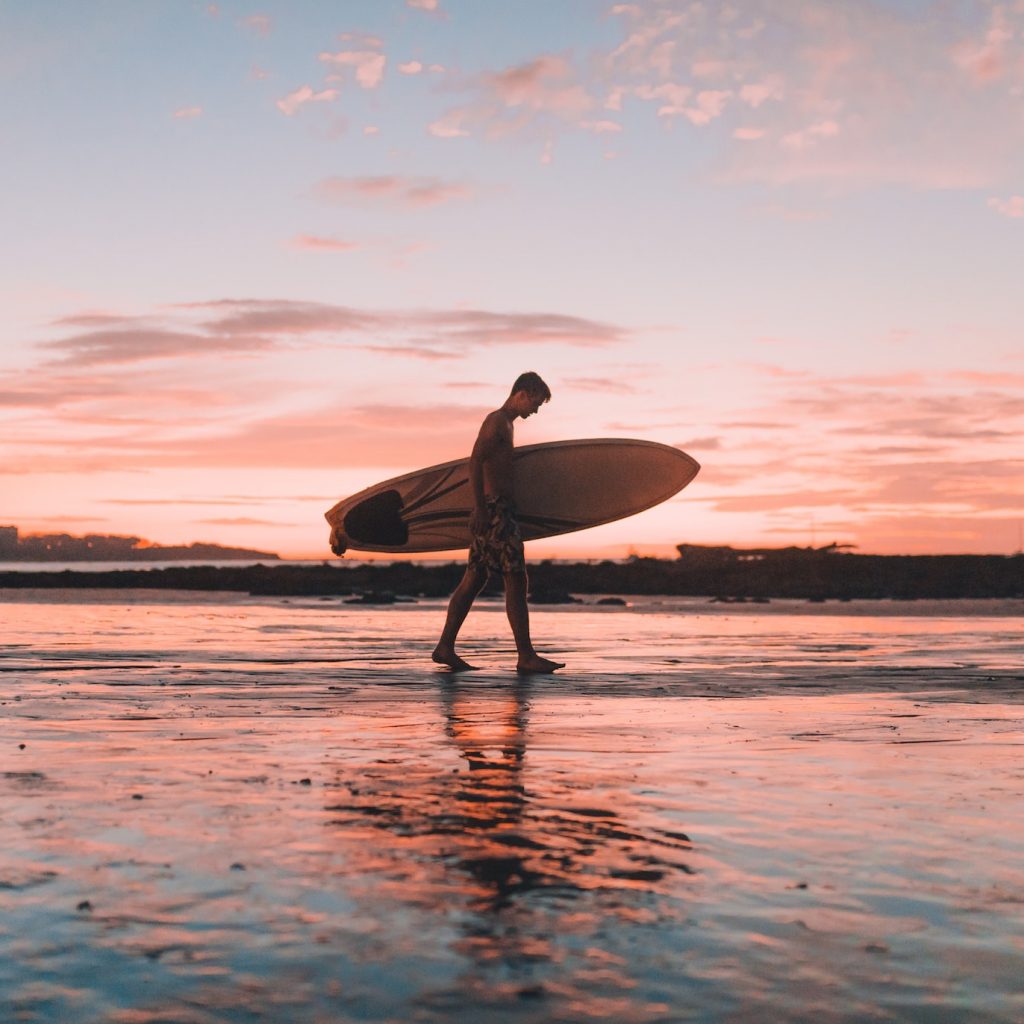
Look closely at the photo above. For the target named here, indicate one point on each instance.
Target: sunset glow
(258, 258)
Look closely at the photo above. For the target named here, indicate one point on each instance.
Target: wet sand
(222, 809)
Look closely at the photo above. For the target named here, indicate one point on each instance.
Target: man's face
(528, 404)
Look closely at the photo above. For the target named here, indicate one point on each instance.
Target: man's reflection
(507, 858)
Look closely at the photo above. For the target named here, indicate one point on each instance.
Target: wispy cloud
(261, 24)
(239, 521)
(97, 348)
(1012, 207)
(606, 385)
(187, 113)
(292, 103)
(366, 65)
(319, 243)
(391, 190)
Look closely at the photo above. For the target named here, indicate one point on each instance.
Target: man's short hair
(532, 384)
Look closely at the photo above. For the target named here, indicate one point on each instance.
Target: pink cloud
(412, 67)
(450, 126)
(442, 330)
(259, 23)
(869, 94)
(701, 444)
(1012, 207)
(297, 99)
(368, 65)
(604, 385)
(423, 5)
(317, 243)
(391, 189)
(988, 59)
(187, 113)
(128, 346)
(545, 83)
(238, 521)
(756, 93)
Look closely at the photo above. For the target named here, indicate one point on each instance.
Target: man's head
(528, 394)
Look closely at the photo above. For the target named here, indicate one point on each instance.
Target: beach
(220, 807)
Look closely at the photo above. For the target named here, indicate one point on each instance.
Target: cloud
(990, 58)
(317, 243)
(601, 127)
(302, 96)
(422, 5)
(450, 126)
(451, 330)
(546, 91)
(187, 113)
(368, 65)
(239, 521)
(845, 95)
(246, 317)
(783, 500)
(412, 67)
(97, 348)
(1012, 207)
(391, 190)
(602, 384)
(701, 444)
(258, 23)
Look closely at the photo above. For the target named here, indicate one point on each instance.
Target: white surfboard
(560, 487)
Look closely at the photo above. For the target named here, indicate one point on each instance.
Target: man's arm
(488, 441)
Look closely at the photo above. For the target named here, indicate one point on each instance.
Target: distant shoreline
(831, 577)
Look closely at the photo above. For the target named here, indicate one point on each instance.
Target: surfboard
(560, 487)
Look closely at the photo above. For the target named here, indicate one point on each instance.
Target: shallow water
(234, 809)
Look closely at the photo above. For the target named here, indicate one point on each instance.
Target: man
(497, 542)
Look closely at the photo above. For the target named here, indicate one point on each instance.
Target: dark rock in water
(552, 596)
(380, 597)
(612, 600)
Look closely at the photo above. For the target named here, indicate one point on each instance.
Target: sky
(257, 257)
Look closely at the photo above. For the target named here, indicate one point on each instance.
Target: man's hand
(477, 522)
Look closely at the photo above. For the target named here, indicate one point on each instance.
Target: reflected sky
(213, 811)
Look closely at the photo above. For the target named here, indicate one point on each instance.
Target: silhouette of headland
(99, 547)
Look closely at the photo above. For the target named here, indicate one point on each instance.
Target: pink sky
(263, 257)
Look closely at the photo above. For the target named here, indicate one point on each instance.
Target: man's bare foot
(535, 663)
(447, 656)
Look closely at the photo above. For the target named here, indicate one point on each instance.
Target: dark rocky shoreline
(835, 576)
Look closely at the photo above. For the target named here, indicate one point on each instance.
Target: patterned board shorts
(499, 548)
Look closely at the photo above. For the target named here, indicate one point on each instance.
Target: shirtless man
(497, 543)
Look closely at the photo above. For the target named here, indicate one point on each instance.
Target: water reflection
(527, 869)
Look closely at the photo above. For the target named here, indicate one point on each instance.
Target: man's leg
(458, 608)
(519, 620)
